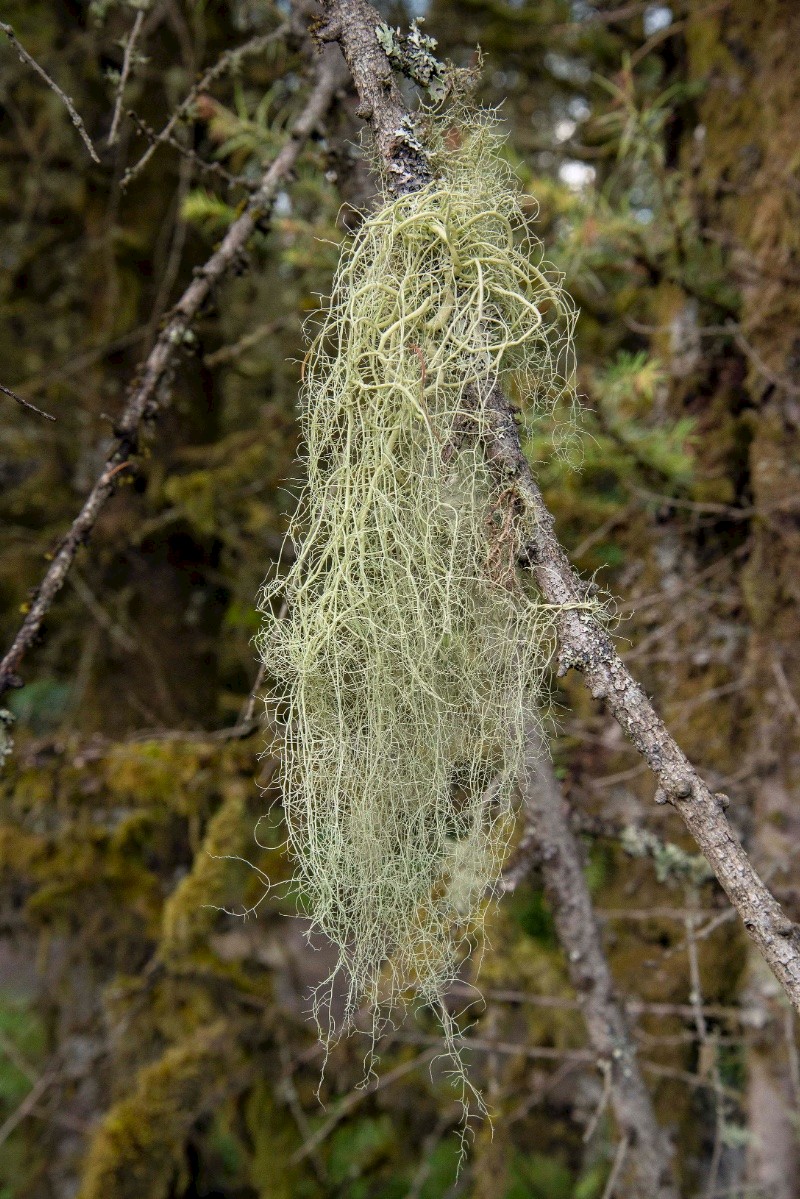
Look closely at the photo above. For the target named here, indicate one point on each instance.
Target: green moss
(192, 909)
(532, 913)
(138, 1149)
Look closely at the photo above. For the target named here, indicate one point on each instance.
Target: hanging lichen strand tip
(414, 651)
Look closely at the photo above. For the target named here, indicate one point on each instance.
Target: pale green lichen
(672, 864)
(413, 54)
(413, 652)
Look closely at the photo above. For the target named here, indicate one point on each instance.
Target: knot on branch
(676, 789)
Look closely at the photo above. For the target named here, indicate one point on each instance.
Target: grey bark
(646, 1169)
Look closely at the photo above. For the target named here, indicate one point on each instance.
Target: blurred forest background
(153, 1047)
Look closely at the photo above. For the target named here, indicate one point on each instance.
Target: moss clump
(138, 1148)
(190, 912)
(413, 650)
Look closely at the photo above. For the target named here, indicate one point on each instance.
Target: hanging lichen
(413, 651)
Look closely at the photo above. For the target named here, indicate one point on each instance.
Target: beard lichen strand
(413, 653)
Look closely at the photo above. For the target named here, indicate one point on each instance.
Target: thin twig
(228, 61)
(17, 1059)
(26, 403)
(115, 630)
(425, 1167)
(51, 83)
(26, 1107)
(778, 381)
(616, 1169)
(210, 168)
(793, 1056)
(701, 1027)
(376, 1083)
(785, 690)
(149, 393)
(286, 1090)
(233, 351)
(130, 45)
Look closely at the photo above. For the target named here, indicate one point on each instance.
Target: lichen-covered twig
(584, 643)
(150, 389)
(51, 83)
(647, 1168)
(354, 24)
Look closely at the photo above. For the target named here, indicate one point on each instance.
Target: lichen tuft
(414, 650)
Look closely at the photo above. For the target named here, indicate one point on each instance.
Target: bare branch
(25, 403)
(210, 168)
(148, 393)
(26, 1106)
(63, 97)
(130, 45)
(376, 1083)
(585, 645)
(226, 62)
(566, 888)
(230, 353)
(584, 642)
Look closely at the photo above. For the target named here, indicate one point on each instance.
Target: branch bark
(75, 116)
(149, 392)
(647, 1167)
(352, 23)
(584, 643)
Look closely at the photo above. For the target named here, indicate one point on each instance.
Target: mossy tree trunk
(748, 199)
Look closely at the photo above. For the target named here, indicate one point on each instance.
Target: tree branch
(127, 60)
(149, 392)
(584, 643)
(352, 23)
(565, 885)
(226, 62)
(51, 83)
(25, 403)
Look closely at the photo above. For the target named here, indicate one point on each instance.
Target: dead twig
(226, 62)
(579, 933)
(616, 1168)
(26, 403)
(51, 83)
(26, 1107)
(209, 168)
(130, 45)
(376, 1083)
(230, 353)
